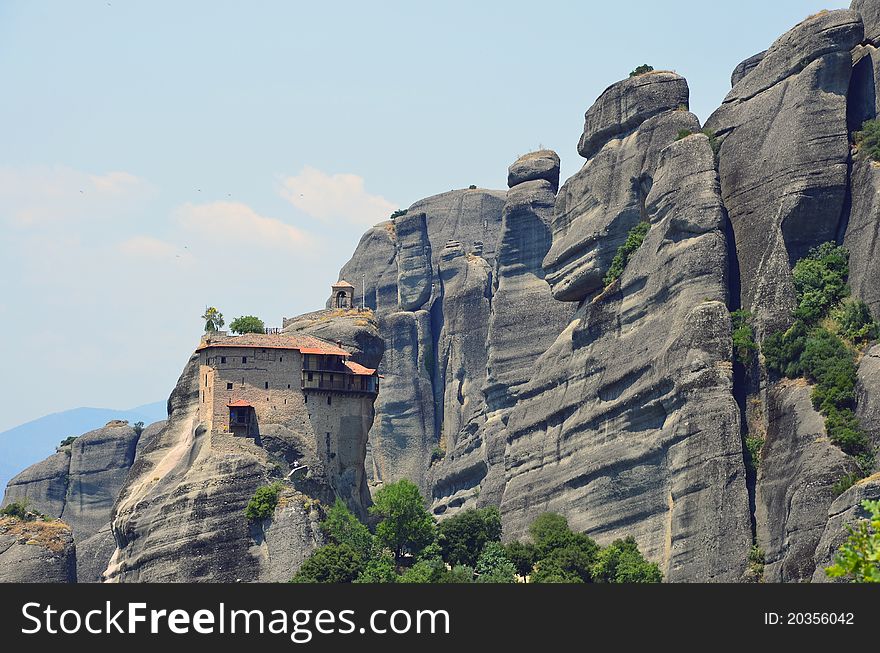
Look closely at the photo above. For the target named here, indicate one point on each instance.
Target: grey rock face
(81, 482)
(783, 159)
(284, 542)
(36, 552)
(628, 425)
(869, 10)
(597, 207)
(625, 105)
(868, 394)
(846, 510)
(862, 235)
(862, 100)
(409, 409)
(414, 274)
(543, 164)
(93, 554)
(795, 483)
(743, 68)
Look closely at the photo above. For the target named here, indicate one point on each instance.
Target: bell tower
(343, 294)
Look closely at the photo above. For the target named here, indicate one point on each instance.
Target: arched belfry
(343, 294)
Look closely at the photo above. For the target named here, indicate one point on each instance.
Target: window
(288, 386)
(206, 379)
(329, 400)
(244, 359)
(281, 359)
(229, 386)
(305, 398)
(310, 376)
(223, 359)
(267, 385)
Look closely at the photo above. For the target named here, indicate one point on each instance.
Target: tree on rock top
(641, 70)
(213, 319)
(247, 324)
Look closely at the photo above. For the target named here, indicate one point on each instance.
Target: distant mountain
(28, 443)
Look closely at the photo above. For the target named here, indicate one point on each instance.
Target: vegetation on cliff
(858, 559)
(823, 345)
(409, 547)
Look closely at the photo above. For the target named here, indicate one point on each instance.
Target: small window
(288, 386)
(244, 359)
(229, 386)
(329, 400)
(267, 385)
(305, 399)
(310, 376)
(281, 359)
(206, 379)
(223, 359)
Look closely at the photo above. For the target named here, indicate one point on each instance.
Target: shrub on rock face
(859, 557)
(634, 240)
(820, 281)
(262, 504)
(641, 70)
(868, 140)
(744, 345)
(17, 509)
(856, 322)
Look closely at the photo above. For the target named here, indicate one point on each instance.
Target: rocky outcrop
(535, 166)
(862, 234)
(795, 487)
(869, 10)
(400, 263)
(93, 554)
(784, 155)
(743, 68)
(868, 395)
(627, 104)
(36, 552)
(80, 482)
(282, 543)
(845, 511)
(597, 207)
(628, 425)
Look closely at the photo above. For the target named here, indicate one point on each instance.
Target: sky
(158, 157)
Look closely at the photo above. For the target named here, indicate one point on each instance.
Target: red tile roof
(359, 370)
(303, 343)
(239, 403)
(342, 283)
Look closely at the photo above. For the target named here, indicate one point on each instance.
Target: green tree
(859, 557)
(18, 509)
(571, 563)
(856, 322)
(459, 575)
(820, 281)
(744, 345)
(342, 527)
(378, 569)
(262, 504)
(247, 324)
(463, 536)
(550, 531)
(641, 70)
(622, 562)
(213, 319)
(333, 563)
(405, 526)
(523, 556)
(66, 441)
(138, 428)
(493, 565)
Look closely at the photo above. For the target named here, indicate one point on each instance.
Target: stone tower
(343, 294)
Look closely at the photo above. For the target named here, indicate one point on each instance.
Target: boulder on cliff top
(543, 164)
(625, 105)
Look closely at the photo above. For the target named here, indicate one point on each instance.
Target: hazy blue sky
(156, 157)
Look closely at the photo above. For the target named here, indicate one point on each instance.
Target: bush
(247, 324)
(18, 509)
(634, 240)
(570, 564)
(844, 483)
(641, 70)
(782, 350)
(472, 187)
(398, 213)
(425, 571)
(622, 562)
(493, 566)
(66, 441)
(856, 322)
(463, 537)
(868, 140)
(460, 574)
(820, 281)
(756, 562)
(437, 454)
(714, 143)
(744, 345)
(333, 563)
(262, 504)
(754, 447)
(138, 428)
(859, 557)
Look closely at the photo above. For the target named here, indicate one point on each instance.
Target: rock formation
(36, 552)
